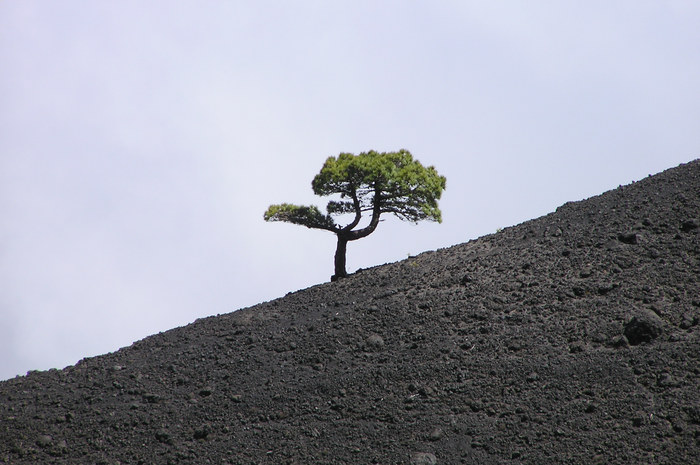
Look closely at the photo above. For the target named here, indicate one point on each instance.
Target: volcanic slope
(572, 338)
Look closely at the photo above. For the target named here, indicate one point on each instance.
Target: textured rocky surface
(571, 338)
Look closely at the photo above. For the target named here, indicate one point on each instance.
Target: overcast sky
(141, 142)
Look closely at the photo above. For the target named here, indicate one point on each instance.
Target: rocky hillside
(572, 339)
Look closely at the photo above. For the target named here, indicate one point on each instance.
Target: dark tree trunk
(347, 234)
(340, 258)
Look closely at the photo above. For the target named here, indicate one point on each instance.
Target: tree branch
(309, 216)
(358, 212)
(376, 213)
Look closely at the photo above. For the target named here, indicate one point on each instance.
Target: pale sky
(141, 142)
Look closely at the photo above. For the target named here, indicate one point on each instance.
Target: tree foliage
(310, 216)
(371, 183)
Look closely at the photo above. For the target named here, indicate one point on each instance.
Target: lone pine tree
(371, 182)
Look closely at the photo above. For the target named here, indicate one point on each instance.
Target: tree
(370, 183)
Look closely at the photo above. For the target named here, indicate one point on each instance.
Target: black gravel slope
(572, 338)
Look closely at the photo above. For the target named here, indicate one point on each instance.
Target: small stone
(578, 291)
(619, 342)
(201, 432)
(653, 252)
(164, 437)
(375, 341)
(577, 348)
(532, 377)
(689, 225)
(644, 326)
(666, 380)
(426, 391)
(423, 458)
(586, 272)
(44, 441)
(605, 288)
(590, 408)
(436, 434)
(627, 237)
(151, 398)
(689, 321)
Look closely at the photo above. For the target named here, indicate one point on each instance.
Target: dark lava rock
(44, 441)
(202, 432)
(515, 348)
(628, 237)
(423, 458)
(644, 326)
(374, 342)
(164, 437)
(436, 434)
(689, 225)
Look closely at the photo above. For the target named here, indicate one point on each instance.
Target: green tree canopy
(372, 184)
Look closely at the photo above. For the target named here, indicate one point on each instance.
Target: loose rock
(423, 458)
(628, 237)
(374, 342)
(644, 326)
